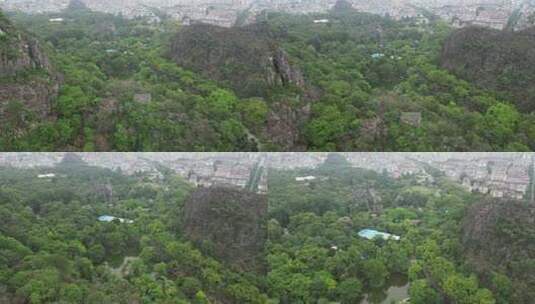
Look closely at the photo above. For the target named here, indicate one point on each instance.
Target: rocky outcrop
(283, 124)
(250, 61)
(282, 73)
(247, 59)
(498, 236)
(489, 226)
(21, 54)
(230, 224)
(35, 95)
(497, 60)
(26, 73)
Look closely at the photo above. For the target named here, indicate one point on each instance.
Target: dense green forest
(316, 255)
(371, 83)
(54, 248)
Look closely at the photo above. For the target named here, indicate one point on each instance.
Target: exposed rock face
(26, 73)
(231, 223)
(283, 125)
(482, 230)
(24, 54)
(250, 61)
(244, 58)
(284, 73)
(496, 60)
(499, 235)
(368, 196)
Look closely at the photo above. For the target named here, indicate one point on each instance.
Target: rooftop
(110, 218)
(371, 234)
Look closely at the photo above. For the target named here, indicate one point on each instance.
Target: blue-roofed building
(109, 218)
(106, 218)
(378, 55)
(371, 234)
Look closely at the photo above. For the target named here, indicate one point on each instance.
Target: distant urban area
(499, 14)
(500, 175)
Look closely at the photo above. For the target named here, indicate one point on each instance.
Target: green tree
(322, 285)
(502, 121)
(328, 125)
(190, 286)
(222, 102)
(421, 293)
(232, 133)
(254, 112)
(73, 101)
(72, 293)
(201, 298)
(375, 272)
(122, 138)
(464, 290)
(39, 286)
(339, 88)
(349, 291)
(502, 287)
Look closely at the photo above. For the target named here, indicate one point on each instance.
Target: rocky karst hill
(26, 74)
(245, 58)
(229, 222)
(250, 61)
(499, 235)
(503, 61)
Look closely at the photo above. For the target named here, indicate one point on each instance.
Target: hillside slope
(26, 73)
(500, 236)
(230, 223)
(497, 60)
(245, 58)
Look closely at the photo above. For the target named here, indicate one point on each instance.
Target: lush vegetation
(504, 65)
(54, 250)
(120, 91)
(316, 256)
(372, 70)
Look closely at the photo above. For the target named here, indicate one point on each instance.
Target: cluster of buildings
(34, 6)
(493, 14)
(245, 173)
(488, 13)
(242, 170)
(495, 175)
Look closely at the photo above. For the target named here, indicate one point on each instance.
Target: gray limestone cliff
(26, 74)
(503, 61)
(250, 61)
(230, 224)
(498, 235)
(247, 59)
